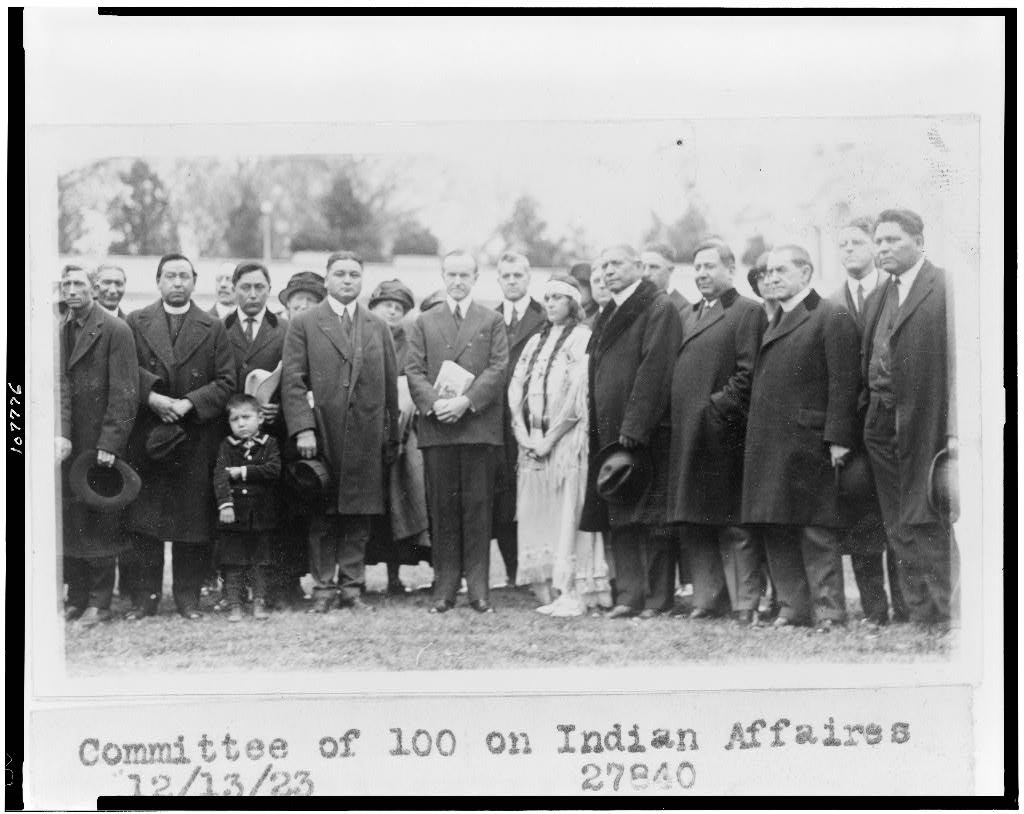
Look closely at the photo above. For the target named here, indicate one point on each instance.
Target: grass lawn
(400, 635)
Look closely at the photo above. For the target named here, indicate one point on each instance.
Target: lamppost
(265, 209)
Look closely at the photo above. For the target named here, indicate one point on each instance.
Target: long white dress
(551, 491)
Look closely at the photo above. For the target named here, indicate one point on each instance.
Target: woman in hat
(304, 290)
(400, 537)
(548, 396)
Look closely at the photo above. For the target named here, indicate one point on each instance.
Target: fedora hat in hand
(308, 478)
(855, 484)
(162, 441)
(943, 488)
(623, 475)
(103, 488)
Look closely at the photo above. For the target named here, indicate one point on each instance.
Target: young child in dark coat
(245, 482)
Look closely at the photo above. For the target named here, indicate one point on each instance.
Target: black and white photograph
(651, 403)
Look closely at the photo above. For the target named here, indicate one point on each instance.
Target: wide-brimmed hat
(162, 441)
(623, 475)
(303, 281)
(394, 290)
(103, 488)
(855, 484)
(943, 486)
(308, 478)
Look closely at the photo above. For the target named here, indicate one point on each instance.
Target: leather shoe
(191, 614)
(259, 610)
(93, 616)
(782, 621)
(441, 606)
(481, 606)
(71, 613)
(356, 604)
(621, 612)
(828, 625)
(702, 613)
(744, 617)
(649, 613)
(321, 604)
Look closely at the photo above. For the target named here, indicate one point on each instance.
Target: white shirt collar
(224, 310)
(177, 309)
(257, 319)
(339, 307)
(519, 307)
(907, 279)
(625, 294)
(464, 304)
(793, 302)
(869, 281)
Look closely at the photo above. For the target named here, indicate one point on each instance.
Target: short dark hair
(459, 253)
(798, 254)
(663, 249)
(910, 222)
(721, 248)
(241, 400)
(864, 223)
(244, 268)
(167, 258)
(343, 255)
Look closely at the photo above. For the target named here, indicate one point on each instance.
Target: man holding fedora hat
(99, 385)
(631, 351)
(344, 356)
(908, 359)
(186, 375)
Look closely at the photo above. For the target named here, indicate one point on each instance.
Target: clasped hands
(170, 410)
(448, 411)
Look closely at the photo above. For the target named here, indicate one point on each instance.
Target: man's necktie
(250, 329)
(514, 322)
(458, 314)
(860, 297)
(177, 320)
(346, 323)
(778, 316)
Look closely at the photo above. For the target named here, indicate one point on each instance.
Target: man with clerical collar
(98, 401)
(658, 262)
(224, 291)
(801, 425)
(461, 431)
(632, 350)
(523, 317)
(109, 288)
(908, 366)
(865, 542)
(339, 392)
(186, 375)
(710, 397)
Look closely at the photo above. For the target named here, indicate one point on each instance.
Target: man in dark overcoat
(461, 435)
(710, 398)
(99, 384)
(186, 375)
(523, 317)
(908, 367)
(345, 357)
(865, 541)
(257, 343)
(632, 351)
(802, 424)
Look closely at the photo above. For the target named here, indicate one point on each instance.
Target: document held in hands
(452, 380)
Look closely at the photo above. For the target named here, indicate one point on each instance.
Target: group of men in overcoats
(748, 427)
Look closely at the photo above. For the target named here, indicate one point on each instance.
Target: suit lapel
(194, 331)
(153, 327)
(330, 324)
(527, 325)
(789, 323)
(623, 316)
(86, 337)
(921, 288)
(470, 323)
(263, 336)
(715, 314)
(360, 336)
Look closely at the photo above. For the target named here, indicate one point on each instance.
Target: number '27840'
(639, 777)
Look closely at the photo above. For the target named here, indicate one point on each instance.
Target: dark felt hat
(434, 299)
(303, 281)
(310, 479)
(623, 475)
(943, 487)
(581, 273)
(752, 276)
(394, 290)
(103, 488)
(162, 441)
(854, 482)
